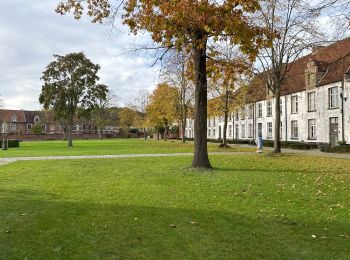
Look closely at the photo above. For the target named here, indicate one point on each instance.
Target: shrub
(12, 143)
(37, 129)
(335, 149)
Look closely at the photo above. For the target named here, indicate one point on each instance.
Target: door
(259, 129)
(333, 131)
(219, 132)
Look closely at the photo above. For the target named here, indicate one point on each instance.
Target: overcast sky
(31, 32)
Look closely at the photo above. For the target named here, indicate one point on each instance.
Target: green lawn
(107, 146)
(250, 207)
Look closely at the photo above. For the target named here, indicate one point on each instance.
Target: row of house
(22, 122)
(315, 105)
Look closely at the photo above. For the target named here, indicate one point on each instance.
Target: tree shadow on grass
(39, 226)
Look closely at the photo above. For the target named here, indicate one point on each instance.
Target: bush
(345, 148)
(37, 129)
(12, 143)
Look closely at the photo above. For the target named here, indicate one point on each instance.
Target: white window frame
(251, 111)
(260, 112)
(312, 129)
(269, 108)
(294, 104)
(269, 130)
(333, 97)
(311, 101)
(250, 131)
(243, 131)
(294, 129)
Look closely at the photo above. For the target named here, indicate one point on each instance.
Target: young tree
(179, 24)
(128, 117)
(295, 23)
(69, 82)
(163, 106)
(141, 102)
(175, 71)
(226, 72)
(100, 113)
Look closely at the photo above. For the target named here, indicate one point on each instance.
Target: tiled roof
(7, 115)
(333, 62)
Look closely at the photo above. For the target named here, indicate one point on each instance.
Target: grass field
(249, 207)
(107, 146)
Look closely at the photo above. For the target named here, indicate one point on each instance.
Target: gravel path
(317, 153)
(4, 161)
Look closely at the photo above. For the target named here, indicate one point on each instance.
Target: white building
(315, 103)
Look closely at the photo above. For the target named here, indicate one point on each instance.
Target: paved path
(4, 161)
(318, 153)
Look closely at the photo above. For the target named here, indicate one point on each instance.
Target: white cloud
(31, 32)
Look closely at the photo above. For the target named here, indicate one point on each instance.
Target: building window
(214, 132)
(260, 129)
(209, 132)
(295, 104)
(230, 130)
(237, 132)
(243, 113)
(242, 131)
(312, 129)
(333, 97)
(14, 118)
(294, 125)
(214, 123)
(250, 131)
(311, 104)
(269, 130)
(281, 130)
(52, 128)
(29, 127)
(43, 127)
(259, 110)
(281, 107)
(36, 119)
(59, 127)
(209, 121)
(236, 116)
(269, 108)
(251, 112)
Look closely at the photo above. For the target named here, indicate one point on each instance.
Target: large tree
(179, 24)
(70, 81)
(294, 21)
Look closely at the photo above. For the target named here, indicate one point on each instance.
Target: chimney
(316, 48)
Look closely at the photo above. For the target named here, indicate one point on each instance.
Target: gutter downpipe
(286, 117)
(342, 111)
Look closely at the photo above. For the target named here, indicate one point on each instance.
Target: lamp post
(4, 133)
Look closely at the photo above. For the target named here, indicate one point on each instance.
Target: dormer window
(14, 118)
(36, 119)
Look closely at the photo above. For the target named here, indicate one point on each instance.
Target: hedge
(12, 143)
(268, 143)
(336, 149)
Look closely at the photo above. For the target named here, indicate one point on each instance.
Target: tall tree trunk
(224, 137)
(165, 131)
(277, 139)
(69, 135)
(157, 133)
(69, 131)
(200, 157)
(183, 130)
(144, 133)
(100, 133)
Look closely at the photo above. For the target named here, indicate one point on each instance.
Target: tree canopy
(70, 81)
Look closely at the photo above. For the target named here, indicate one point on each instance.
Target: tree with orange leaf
(163, 107)
(184, 23)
